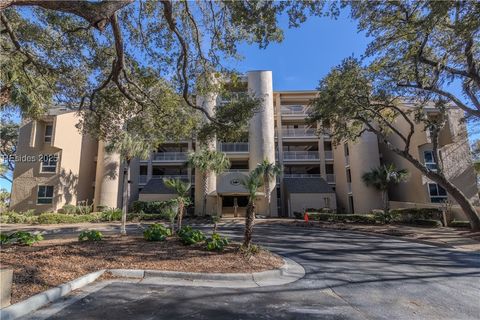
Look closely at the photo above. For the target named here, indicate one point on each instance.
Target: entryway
(234, 206)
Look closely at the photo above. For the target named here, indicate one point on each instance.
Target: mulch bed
(50, 263)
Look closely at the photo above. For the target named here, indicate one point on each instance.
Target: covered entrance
(234, 205)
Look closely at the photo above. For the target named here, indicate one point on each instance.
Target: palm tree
(382, 178)
(207, 162)
(182, 188)
(268, 171)
(129, 146)
(251, 183)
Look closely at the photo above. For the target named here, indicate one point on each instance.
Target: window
(429, 160)
(45, 194)
(48, 133)
(437, 193)
(49, 163)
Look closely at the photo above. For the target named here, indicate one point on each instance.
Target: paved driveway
(348, 276)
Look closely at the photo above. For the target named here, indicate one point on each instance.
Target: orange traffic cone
(305, 217)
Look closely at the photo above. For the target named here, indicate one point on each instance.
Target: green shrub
(90, 235)
(111, 214)
(153, 207)
(54, 218)
(460, 224)
(84, 209)
(409, 215)
(216, 243)
(14, 217)
(156, 232)
(427, 223)
(25, 238)
(69, 209)
(345, 218)
(102, 208)
(190, 236)
(5, 238)
(298, 215)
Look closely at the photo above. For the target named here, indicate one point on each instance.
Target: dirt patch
(52, 262)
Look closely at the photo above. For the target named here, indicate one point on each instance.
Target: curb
(39, 300)
(290, 271)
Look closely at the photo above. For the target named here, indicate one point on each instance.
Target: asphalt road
(348, 276)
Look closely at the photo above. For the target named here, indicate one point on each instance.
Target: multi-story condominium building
(316, 173)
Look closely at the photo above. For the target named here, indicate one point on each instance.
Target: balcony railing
(144, 179)
(300, 132)
(169, 156)
(237, 170)
(301, 175)
(301, 155)
(328, 155)
(295, 110)
(234, 147)
(330, 177)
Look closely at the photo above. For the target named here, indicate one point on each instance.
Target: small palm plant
(182, 188)
(268, 171)
(382, 178)
(207, 162)
(251, 183)
(129, 146)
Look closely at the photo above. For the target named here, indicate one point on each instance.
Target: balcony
(169, 156)
(328, 155)
(297, 111)
(301, 175)
(234, 147)
(143, 179)
(299, 133)
(301, 155)
(237, 170)
(330, 177)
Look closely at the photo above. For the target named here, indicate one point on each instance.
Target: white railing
(301, 155)
(330, 177)
(237, 170)
(301, 175)
(169, 156)
(328, 154)
(234, 147)
(295, 110)
(299, 132)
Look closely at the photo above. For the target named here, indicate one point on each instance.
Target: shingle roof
(156, 186)
(307, 185)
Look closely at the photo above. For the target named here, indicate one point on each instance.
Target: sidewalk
(461, 239)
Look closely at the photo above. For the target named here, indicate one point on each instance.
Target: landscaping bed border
(290, 271)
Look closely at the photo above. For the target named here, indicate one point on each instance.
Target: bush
(298, 215)
(14, 217)
(190, 236)
(111, 215)
(345, 218)
(409, 215)
(427, 223)
(90, 235)
(21, 237)
(216, 243)
(54, 218)
(460, 224)
(156, 232)
(69, 209)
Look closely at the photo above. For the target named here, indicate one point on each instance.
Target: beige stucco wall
(298, 202)
(72, 181)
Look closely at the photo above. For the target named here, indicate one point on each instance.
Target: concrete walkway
(349, 275)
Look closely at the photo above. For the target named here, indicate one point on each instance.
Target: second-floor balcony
(143, 179)
(299, 132)
(301, 155)
(301, 175)
(169, 156)
(328, 155)
(233, 147)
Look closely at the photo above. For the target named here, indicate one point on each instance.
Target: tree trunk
(451, 189)
(266, 189)
(205, 193)
(126, 179)
(180, 214)
(249, 219)
(386, 206)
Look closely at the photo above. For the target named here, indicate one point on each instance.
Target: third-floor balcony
(233, 147)
(169, 156)
(300, 155)
(299, 132)
(298, 111)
